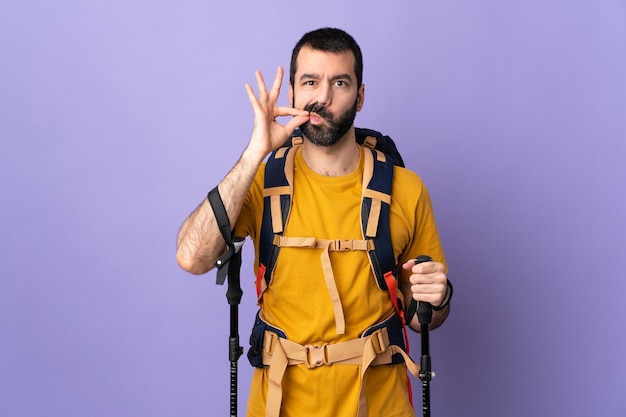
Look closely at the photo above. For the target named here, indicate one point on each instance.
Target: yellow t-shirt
(298, 300)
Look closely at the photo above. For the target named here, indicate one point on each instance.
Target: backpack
(375, 210)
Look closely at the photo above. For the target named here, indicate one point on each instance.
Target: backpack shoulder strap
(277, 198)
(375, 220)
(375, 210)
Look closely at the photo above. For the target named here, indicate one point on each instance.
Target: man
(326, 92)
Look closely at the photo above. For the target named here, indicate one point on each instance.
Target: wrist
(447, 296)
(253, 156)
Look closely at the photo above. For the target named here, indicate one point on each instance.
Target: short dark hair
(328, 40)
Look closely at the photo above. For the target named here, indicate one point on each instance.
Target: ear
(360, 97)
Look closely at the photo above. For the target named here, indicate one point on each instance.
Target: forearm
(200, 242)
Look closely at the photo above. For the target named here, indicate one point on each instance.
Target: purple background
(116, 117)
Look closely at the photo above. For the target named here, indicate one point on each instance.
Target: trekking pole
(233, 294)
(424, 315)
(229, 265)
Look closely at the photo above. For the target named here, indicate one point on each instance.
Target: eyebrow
(344, 76)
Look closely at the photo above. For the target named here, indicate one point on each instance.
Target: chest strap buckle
(317, 355)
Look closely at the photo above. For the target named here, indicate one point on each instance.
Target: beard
(323, 135)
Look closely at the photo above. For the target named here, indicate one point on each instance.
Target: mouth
(318, 114)
(315, 118)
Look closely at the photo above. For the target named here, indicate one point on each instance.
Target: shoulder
(255, 192)
(404, 177)
(408, 191)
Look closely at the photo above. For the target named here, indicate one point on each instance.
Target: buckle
(370, 142)
(380, 341)
(342, 245)
(316, 355)
(269, 342)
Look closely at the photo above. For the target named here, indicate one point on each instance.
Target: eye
(341, 83)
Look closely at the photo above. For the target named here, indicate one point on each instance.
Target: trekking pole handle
(424, 309)
(424, 314)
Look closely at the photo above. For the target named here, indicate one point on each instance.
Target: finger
(299, 117)
(290, 111)
(428, 268)
(425, 289)
(408, 264)
(438, 279)
(432, 293)
(433, 299)
(251, 95)
(421, 268)
(253, 99)
(275, 91)
(261, 83)
(291, 125)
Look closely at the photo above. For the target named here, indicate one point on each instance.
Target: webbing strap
(275, 192)
(329, 277)
(261, 285)
(377, 195)
(344, 353)
(410, 365)
(333, 245)
(392, 288)
(278, 353)
(394, 293)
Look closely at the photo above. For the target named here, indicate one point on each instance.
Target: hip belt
(373, 349)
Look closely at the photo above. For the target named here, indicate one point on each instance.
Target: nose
(325, 95)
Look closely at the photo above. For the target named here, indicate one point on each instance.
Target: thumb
(408, 264)
(296, 121)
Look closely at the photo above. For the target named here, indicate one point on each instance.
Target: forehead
(313, 61)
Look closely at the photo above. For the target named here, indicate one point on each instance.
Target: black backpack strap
(277, 198)
(375, 212)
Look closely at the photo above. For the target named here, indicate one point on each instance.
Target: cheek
(298, 102)
(302, 98)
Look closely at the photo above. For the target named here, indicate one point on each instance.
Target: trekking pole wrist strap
(221, 216)
(233, 245)
(447, 296)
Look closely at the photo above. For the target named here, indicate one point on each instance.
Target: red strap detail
(392, 287)
(406, 338)
(259, 276)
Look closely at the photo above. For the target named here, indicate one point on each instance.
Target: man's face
(325, 84)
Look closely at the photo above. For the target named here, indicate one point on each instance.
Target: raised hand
(268, 134)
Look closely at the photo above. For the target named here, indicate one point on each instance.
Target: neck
(342, 158)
